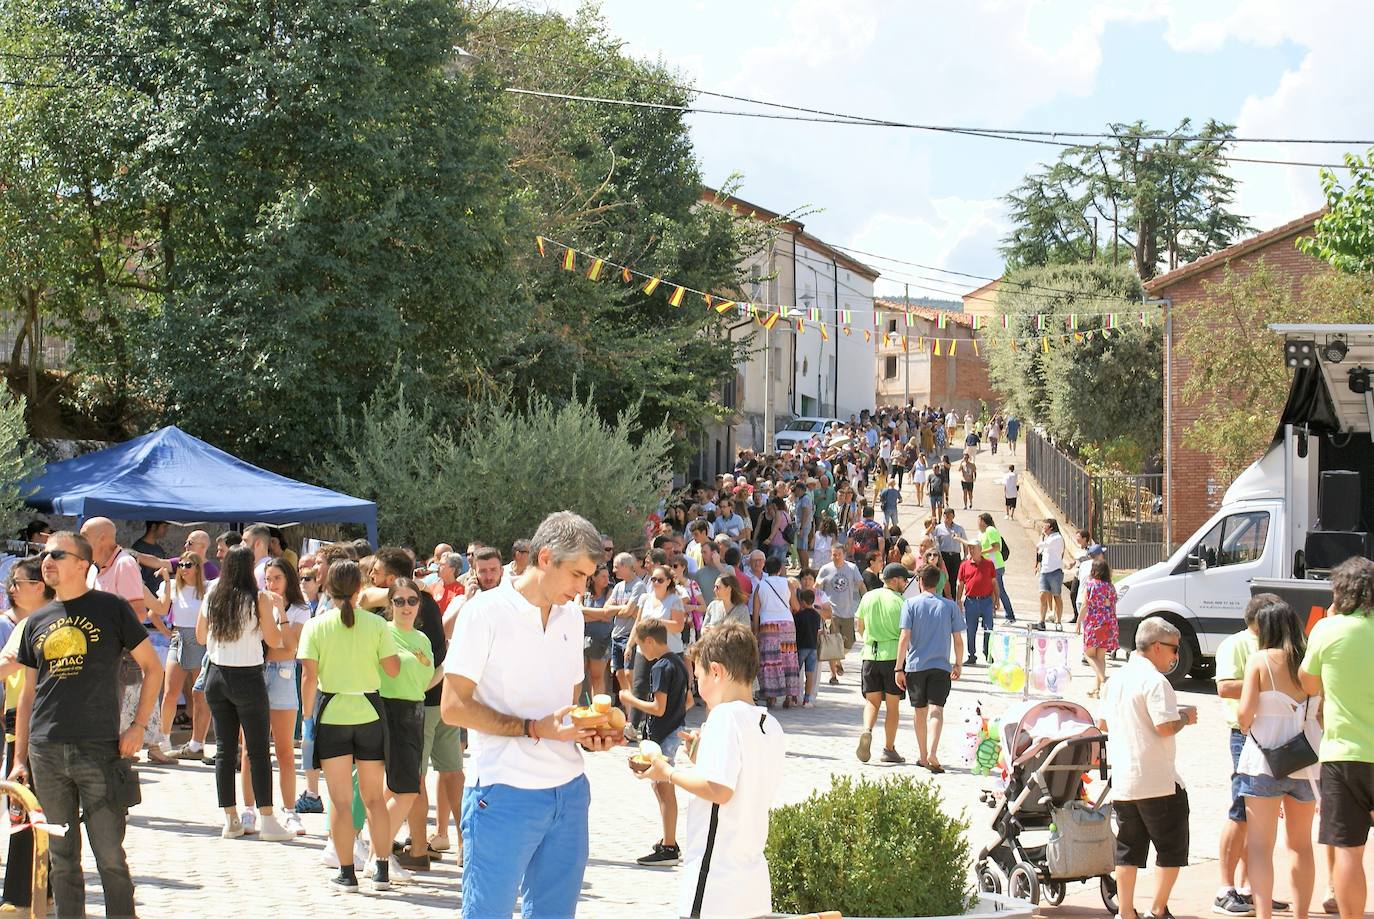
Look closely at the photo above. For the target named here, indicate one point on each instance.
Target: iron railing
(1124, 512)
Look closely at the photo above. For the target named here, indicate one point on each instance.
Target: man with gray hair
(513, 673)
(1141, 716)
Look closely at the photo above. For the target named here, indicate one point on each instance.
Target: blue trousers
(527, 841)
(978, 610)
(1006, 600)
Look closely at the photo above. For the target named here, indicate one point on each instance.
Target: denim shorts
(1237, 811)
(184, 650)
(618, 643)
(807, 658)
(280, 677)
(1266, 786)
(1052, 582)
(669, 745)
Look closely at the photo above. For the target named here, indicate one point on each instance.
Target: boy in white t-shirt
(738, 757)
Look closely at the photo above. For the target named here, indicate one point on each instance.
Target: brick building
(958, 380)
(1193, 490)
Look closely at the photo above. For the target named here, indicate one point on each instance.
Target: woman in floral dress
(1098, 621)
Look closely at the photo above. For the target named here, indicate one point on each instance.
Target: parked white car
(800, 430)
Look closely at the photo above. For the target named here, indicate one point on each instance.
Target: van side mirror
(1195, 561)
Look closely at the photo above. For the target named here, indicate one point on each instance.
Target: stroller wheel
(989, 881)
(1054, 892)
(1108, 888)
(1023, 883)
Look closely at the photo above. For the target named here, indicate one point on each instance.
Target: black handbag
(1293, 754)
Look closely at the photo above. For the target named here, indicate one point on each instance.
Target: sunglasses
(1171, 647)
(186, 564)
(608, 548)
(307, 578)
(58, 555)
(405, 601)
(659, 580)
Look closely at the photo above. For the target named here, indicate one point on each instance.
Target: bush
(500, 475)
(18, 461)
(870, 849)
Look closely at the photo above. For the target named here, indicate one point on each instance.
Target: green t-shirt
(348, 661)
(881, 613)
(1339, 651)
(1232, 655)
(991, 541)
(410, 684)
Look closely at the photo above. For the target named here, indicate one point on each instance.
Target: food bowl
(589, 718)
(640, 763)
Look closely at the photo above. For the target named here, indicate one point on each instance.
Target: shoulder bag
(1296, 752)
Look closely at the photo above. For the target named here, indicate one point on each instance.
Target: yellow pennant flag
(569, 260)
(868, 336)
(651, 285)
(825, 336)
(1045, 344)
(676, 298)
(770, 321)
(539, 241)
(594, 272)
(921, 343)
(707, 299)
(846, 331)
(976, 352)
(937, 347)
(1012, 342)
(725, 306)
(801, 327)
(953, 344)
(626, 275)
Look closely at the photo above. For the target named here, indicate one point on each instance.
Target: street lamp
(787, 317)
(460, 61)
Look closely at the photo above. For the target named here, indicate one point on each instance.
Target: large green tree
(1088, 390)
(1149, 198)
(1345, 234)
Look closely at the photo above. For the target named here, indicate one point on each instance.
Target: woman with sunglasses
(344, 653)
(178, 601)
(27, 592)
(279, 675)
(403, 700)
(310, 585)
(930, 556)
(236, 621)
(661, 602)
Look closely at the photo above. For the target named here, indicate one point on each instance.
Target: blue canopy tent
(170, 475)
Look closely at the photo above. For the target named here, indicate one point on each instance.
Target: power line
(859, 121)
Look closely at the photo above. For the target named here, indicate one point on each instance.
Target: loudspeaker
(1326, 549)
(1340, 500)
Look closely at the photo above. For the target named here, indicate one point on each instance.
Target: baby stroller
(1047, 748)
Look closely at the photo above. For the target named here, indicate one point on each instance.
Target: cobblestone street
(183, 868)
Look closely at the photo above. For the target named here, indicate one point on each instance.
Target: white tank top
(244, 651)
(1279, 719)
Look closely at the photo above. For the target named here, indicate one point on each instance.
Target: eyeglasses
(608, 548)
(1171, 647)
(58, 555)
(18, 581)
(307, 579)
(405, 601)
(659, 580)
(186, 564)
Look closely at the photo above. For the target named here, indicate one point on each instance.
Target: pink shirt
(121, 577)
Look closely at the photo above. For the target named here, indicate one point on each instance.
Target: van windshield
(801, 425)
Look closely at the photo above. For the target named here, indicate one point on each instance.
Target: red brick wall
(1196, 488)
(961, 381)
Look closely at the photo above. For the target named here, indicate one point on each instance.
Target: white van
(1268, 534)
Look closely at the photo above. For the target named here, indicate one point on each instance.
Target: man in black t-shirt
(669, 698)
(67, 725)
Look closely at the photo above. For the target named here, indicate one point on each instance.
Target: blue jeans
(527, 841)
(1006, 600)
(976, 610)
(70, 780)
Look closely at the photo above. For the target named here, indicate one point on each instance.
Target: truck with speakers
(1296, 513)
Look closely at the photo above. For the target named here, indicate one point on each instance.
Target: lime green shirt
(881, 613)
(410, 684)
(1339, 651)
(1232, 655)
(348, 662)
(991, 541)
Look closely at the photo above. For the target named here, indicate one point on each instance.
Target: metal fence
(54, 352)
(1123, 512)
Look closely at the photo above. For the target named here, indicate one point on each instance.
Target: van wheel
(1188, 653)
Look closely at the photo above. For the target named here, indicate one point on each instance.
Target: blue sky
(1273, 67)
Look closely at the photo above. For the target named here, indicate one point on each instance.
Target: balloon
(1038, 679)
(1052, 680)
(1016, 678)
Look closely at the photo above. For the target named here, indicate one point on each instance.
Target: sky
(1274, 68)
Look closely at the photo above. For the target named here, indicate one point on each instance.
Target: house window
(890, 368)
(892, 325)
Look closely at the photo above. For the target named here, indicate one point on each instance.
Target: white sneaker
(292, 822)
(329, 857)
(249, 818)
(398, 873)
(361, 851)
(272, 831)
(233, 827)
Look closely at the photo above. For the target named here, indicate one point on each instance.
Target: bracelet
(141, 727)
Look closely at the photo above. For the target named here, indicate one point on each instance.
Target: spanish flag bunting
(1077, 338)
(906, 342)
(594, 272)
(770, 321)
(627, 275)
(651, 285)
(708, 300)
(725, 306)
(676, 298)
(846, 331)
(569, 260)
(1012, 342)
(539, 241)
(868, 336)
(1045, 344)
(825, 336)
(801, 327)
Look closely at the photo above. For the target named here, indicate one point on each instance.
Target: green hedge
(870, 849)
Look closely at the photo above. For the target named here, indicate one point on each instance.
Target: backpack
(1006, 551)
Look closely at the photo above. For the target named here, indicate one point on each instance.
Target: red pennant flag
(594, 272)
(569, 260)
(868, 336)
(707, 299)
(676, 298)
(651, 285)
(725, 306)
(626, 275)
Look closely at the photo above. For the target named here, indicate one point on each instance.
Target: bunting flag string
(767, 314)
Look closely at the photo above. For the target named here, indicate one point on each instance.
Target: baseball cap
(894, 570)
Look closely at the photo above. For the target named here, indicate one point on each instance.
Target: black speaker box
(1340, 500)
(1328, 548)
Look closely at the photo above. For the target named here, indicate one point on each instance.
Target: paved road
(183, 868)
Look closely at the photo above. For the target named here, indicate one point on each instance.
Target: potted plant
(873, 849)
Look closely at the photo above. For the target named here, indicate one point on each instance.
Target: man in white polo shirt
(513, 667)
